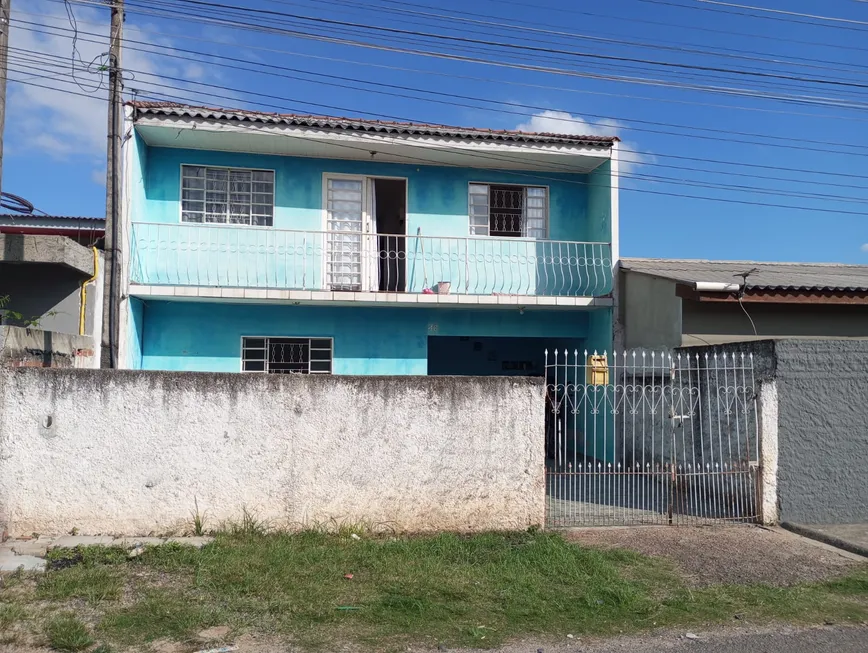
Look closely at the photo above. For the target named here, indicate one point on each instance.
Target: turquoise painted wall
(437, 200)
(134, 340)
(203, 336)
(599, 214)
(175, 254)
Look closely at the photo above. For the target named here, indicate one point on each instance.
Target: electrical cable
(534, 49)
(537, 108)
(15, 203)
(356, 62)
(769, 18)
(693, 168)
(476, 155)
(558, 32)
(809, 100)
(565, 168)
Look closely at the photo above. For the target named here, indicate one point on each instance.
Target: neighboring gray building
(667, 303)
(41, 280)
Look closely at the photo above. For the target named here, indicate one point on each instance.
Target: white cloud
(562, 122)
(864, 247)
(64, 125)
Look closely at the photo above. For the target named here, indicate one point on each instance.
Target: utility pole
(5, 11)
(111, 301)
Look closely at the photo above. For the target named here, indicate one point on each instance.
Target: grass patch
(458, 590)
(10, 614)
(160, 614)
(86, 556)
(91, 584)
(67, 633)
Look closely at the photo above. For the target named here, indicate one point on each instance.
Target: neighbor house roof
(763, 276)
(56, 224)
(365, 125)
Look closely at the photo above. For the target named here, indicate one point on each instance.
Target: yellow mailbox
(598, 370)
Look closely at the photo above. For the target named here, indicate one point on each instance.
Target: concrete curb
(826, 539)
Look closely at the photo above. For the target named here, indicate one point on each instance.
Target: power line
(627, 150)
(356, 81)
(810, 100)
(787, 13)
(528, 26)
(741, 13)
(641, 177)
(367, 149)
(356, 62)
(620, 119)
(535, 49)
(670, 25)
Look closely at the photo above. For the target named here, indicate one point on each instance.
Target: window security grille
(287, 355)
(227, 195)
(510, 211)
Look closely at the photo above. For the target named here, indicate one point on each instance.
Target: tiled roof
(364, 125)
(766, 276)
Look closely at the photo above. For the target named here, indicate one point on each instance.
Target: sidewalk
(730, 555)
(29, 553)
(850, 537)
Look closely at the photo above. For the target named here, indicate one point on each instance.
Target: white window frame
(228, 203)
(473, 229)
(310, 339)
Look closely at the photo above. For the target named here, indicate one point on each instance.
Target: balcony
(217, 259)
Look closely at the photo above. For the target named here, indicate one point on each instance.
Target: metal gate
(650, 438)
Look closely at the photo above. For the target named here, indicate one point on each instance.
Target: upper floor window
(500, 210)
(227, 195)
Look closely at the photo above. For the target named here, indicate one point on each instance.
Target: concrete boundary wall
(813, 430)
(130, 452)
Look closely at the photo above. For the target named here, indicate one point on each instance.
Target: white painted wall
(768, 441)
(127, 452)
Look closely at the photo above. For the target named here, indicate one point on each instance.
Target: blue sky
(54, 149)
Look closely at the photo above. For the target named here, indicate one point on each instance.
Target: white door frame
(370, 260)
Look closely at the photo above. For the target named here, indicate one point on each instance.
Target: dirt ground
(728, 554)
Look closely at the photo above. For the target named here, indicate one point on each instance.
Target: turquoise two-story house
(255, 242)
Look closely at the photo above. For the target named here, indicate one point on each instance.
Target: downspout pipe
(83, 302)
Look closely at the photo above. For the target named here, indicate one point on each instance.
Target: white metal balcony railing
(235, 257)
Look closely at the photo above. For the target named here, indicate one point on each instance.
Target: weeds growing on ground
(198, 520)
(67, 633)
(249, 525)
(10, 613)
(348, 585)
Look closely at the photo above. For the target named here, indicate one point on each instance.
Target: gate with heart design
(651, 438)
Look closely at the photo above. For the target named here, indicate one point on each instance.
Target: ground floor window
(286, 355)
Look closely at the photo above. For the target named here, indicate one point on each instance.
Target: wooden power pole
(5, 11)
(113, 252)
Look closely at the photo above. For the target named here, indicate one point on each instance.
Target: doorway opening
(390, 225)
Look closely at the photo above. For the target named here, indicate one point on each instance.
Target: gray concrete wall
(52, 250)
(130, 452)
(816, 392)
(823, 430)
(20, 347)
(650, 312)
(42, 277)
(713, 323)
(48, 293)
